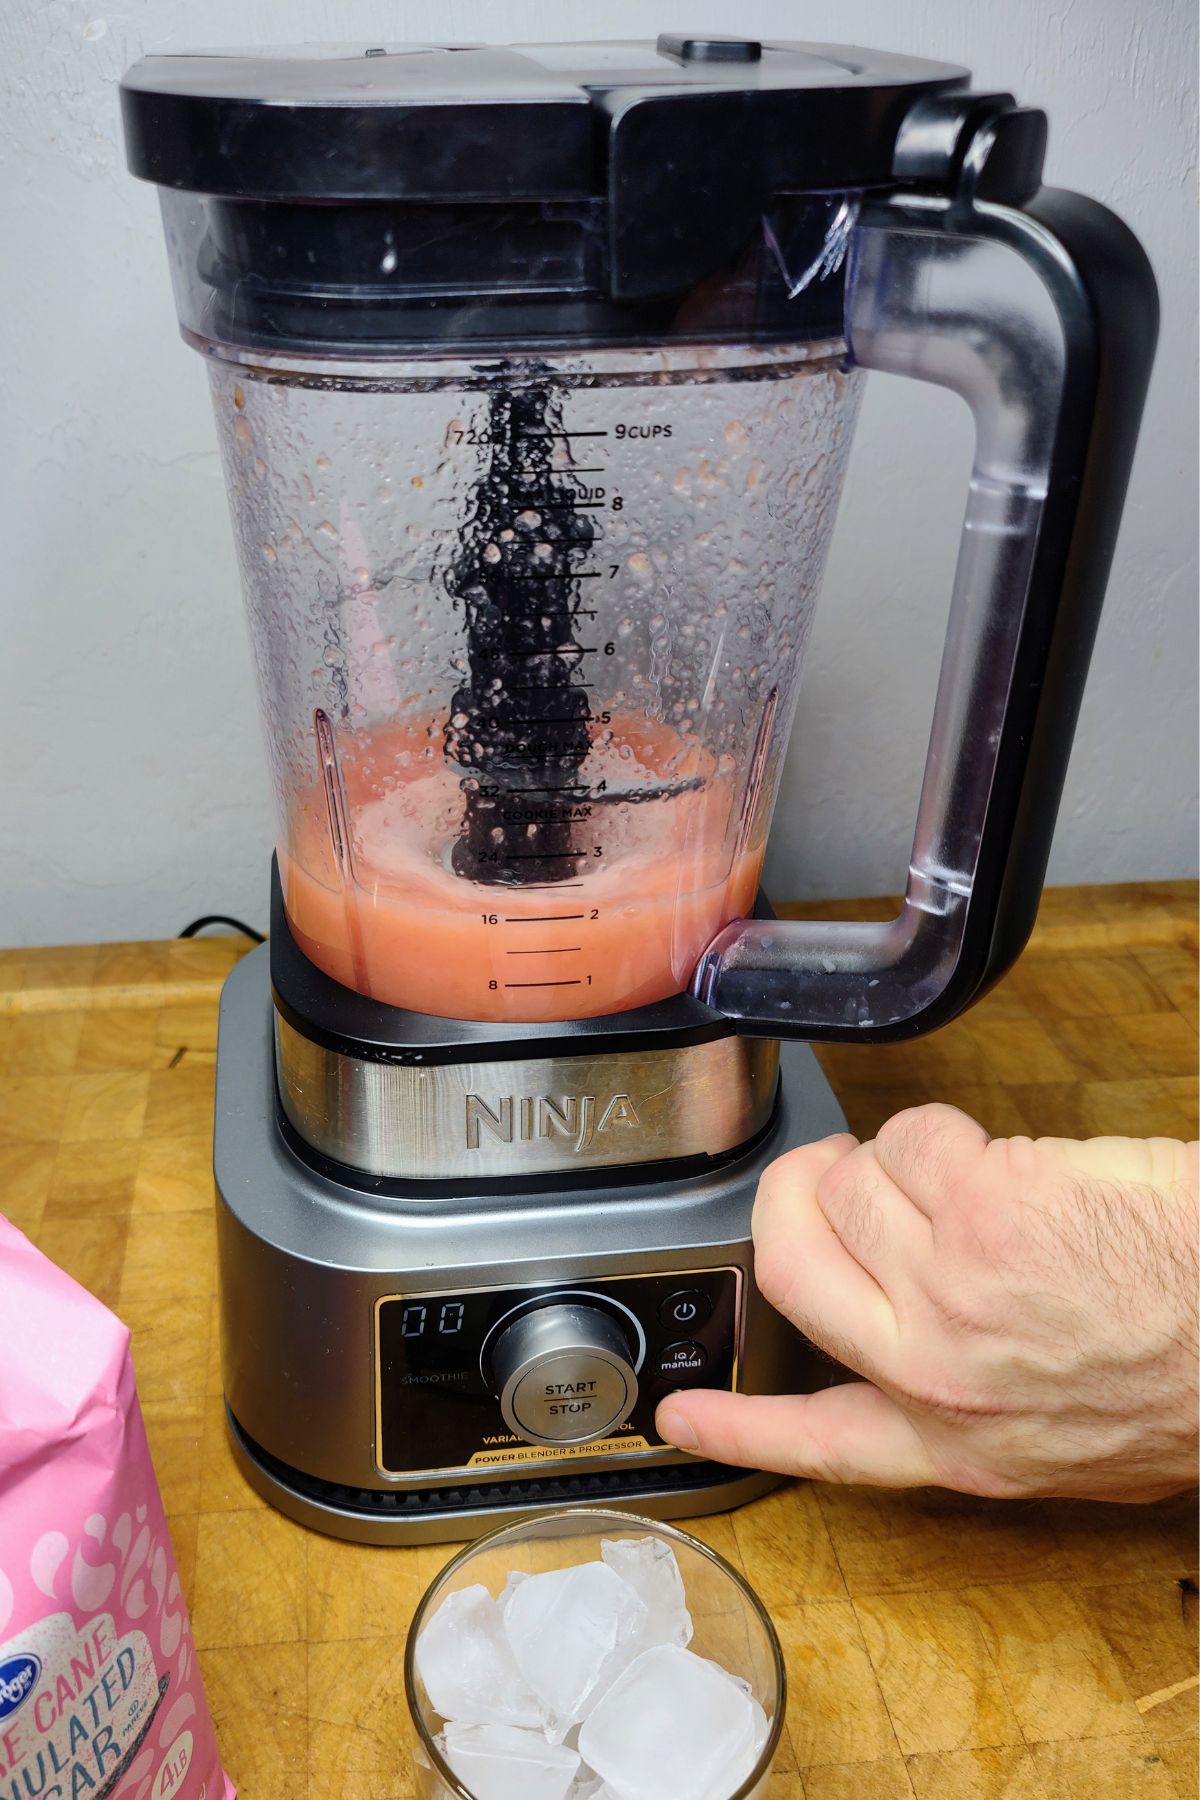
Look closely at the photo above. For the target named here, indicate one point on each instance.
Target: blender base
(453, 1515)
(370, 1431)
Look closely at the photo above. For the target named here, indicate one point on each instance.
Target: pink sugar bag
(100, 1691)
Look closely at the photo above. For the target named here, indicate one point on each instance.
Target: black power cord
(198, 925)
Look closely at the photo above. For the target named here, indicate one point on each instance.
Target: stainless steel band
(532, 1115)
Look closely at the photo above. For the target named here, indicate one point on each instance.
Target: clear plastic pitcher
(528, 640)
(535, 375)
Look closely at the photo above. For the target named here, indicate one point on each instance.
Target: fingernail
(676, 1428)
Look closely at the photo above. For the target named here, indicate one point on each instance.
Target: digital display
(421, 1316)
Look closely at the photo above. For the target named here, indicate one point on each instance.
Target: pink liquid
(390, 918)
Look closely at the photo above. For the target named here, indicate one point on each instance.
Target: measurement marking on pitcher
(549, 950)
(545, 919)
(521, 655)
(567, 469)
(561, 719)
(562, 612)
(531, 984)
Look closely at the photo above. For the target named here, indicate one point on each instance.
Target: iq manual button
(682, 1362)
(688, 1309)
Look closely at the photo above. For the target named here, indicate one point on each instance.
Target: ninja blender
(535, 373)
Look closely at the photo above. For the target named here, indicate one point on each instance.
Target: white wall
(132, 790)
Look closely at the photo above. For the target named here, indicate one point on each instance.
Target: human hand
(1024, 1314)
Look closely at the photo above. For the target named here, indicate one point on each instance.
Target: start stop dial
(564, 1374)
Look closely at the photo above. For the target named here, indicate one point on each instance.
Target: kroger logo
(17, 1676)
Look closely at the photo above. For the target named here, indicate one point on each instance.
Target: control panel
(490, 1378)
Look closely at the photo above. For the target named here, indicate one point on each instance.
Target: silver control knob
(564, 1374)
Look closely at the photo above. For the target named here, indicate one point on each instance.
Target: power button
(687, 1309)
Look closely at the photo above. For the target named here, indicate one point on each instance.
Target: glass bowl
(731, 1625)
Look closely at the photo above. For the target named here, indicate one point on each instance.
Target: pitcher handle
(1043, 315)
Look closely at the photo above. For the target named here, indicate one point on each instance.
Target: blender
(535, 373)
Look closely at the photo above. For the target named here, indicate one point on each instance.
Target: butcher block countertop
(938, 1647)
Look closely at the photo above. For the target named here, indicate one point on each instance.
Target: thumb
(844, 1434)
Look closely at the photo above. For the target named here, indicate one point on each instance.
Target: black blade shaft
(520, 721)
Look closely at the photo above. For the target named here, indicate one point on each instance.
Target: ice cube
(650, 1568)
(572, 1631)
(672, 1723)
(464, 1659)
(739, 1771)
(501, 1762)
(588, 1786)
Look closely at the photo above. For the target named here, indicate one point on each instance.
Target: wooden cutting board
(938, 1647)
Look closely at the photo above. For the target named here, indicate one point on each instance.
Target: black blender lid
(350, 198)
(420, 122)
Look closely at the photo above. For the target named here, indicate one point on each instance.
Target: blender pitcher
(529, 634)
(533, 465)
